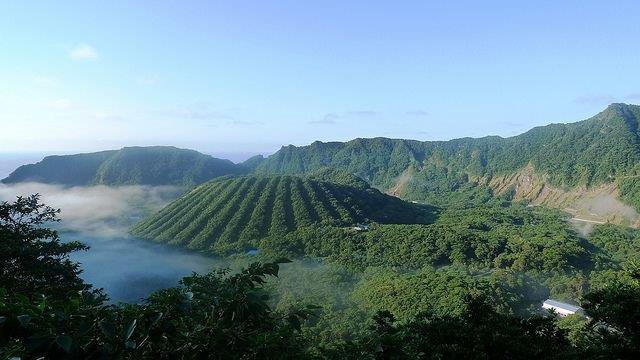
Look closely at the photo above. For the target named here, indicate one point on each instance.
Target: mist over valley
(129, 269)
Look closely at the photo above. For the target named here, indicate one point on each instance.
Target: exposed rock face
(595, 204)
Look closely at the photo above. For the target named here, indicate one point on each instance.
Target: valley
(335, 180)
(359, 228)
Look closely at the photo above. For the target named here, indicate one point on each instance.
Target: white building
(562, 309)
(361, 227)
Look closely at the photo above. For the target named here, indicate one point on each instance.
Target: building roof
(561, 305)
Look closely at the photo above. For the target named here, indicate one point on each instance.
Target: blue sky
(230, 77)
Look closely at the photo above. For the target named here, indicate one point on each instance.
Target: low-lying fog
(99, 216)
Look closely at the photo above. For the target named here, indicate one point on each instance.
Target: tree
(477, 333)
(615, 313)
(46, 310)
(33, 260)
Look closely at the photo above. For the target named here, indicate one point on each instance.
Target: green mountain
(232, 214)
(547, 164)
(589, 168)
(156, 165)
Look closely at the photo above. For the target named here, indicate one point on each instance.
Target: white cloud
(83, 52)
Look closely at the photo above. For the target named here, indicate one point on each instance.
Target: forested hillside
(232, 214)
(156, 165)
(471, 305)
(602, 149)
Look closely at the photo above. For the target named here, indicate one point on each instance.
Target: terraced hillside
(232, 214)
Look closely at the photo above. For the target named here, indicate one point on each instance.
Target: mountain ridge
(134, 165)
(602, 149)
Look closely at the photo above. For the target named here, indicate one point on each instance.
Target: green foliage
(478, 332)
(251, 163)
(70, 170)
(454, 311)
(630, 188)
(590, 152)
(330, 286)
(33, 260)
(339, 177)
(47, 311)
(517, 238)
(442, 291)
(615, 315)
(235, 214)
(617, 243)
(213, 316)
(442, 186)
(156, 165)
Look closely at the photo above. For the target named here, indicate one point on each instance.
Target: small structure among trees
(562, 309)
(361, 227)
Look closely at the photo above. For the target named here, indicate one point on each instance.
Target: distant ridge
(233, 214)
(558, 165)
(154, 165)
(604, 149)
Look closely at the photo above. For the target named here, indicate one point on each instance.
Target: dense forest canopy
(251, 314)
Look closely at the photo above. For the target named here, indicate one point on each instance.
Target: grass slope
(232, 214)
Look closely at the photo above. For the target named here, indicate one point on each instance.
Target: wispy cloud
(83, 52)
(417, 113)
(595, 99)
